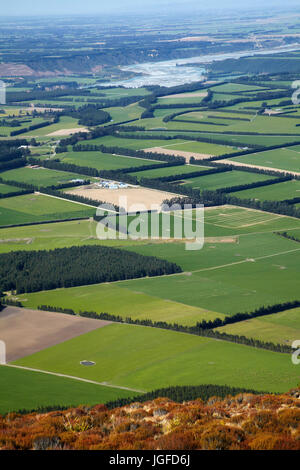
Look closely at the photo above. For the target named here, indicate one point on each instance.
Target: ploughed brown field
(28, 331)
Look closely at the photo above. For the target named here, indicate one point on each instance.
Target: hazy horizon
(93, 7)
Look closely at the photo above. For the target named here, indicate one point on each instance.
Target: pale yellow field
(126, 197)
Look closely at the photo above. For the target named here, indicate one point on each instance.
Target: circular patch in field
(87, 363)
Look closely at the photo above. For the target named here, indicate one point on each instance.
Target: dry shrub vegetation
(243, 422)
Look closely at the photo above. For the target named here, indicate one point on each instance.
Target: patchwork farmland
(226, 314)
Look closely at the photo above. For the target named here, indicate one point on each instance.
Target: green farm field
(7, 189)
(17, 387)
(149, 358)
(243, 265)
(237, 221)
(201, 147)
(42, 151)
(48, 236)
(250, 271)
(239, 286)
(234, 220)
(170, 171)
(283, 159)
(137, 144)
(103, 161)
(274, 192)
(115, 93)
(40, 176)
(274, 102)
(269, 124)
(173, 144)
(32, 208)
(224, 96)
(66, 123)
(223, 180)
(196, 95)
(214, 254)
(295, 233)
(54, 235)
(231, 139)
(218, 222)
(25, 121)
(162, 112)
(119, 300)
(279, 83)
(259, 124)
(185, 98)
(281, 328)
(126, 113)
(77, 101)
(236, 88)
(255, 269)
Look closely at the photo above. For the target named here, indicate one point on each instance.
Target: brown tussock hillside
(243, 422)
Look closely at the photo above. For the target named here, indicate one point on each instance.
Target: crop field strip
(177, 144)
(5, 189)
(61, 234)
(282, 327)
(170, 171)
(282, 159)
(232, 139)
(237, 218)
(222, 180)
(211, 288)
(103, 161)
(40, 177)
(275, 192)
(33, 208)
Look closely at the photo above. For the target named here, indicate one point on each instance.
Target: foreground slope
(243, 422)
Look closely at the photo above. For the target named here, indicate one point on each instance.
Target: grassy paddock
(7, 189)
(250, 271)
(283, 159)
(27, 390)
(103, 161)
(169, 171)
(282, 327)
(40, 176)
(149, 358)
(117, 299)
(274, 192)
(224, 180)
(38, 208)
